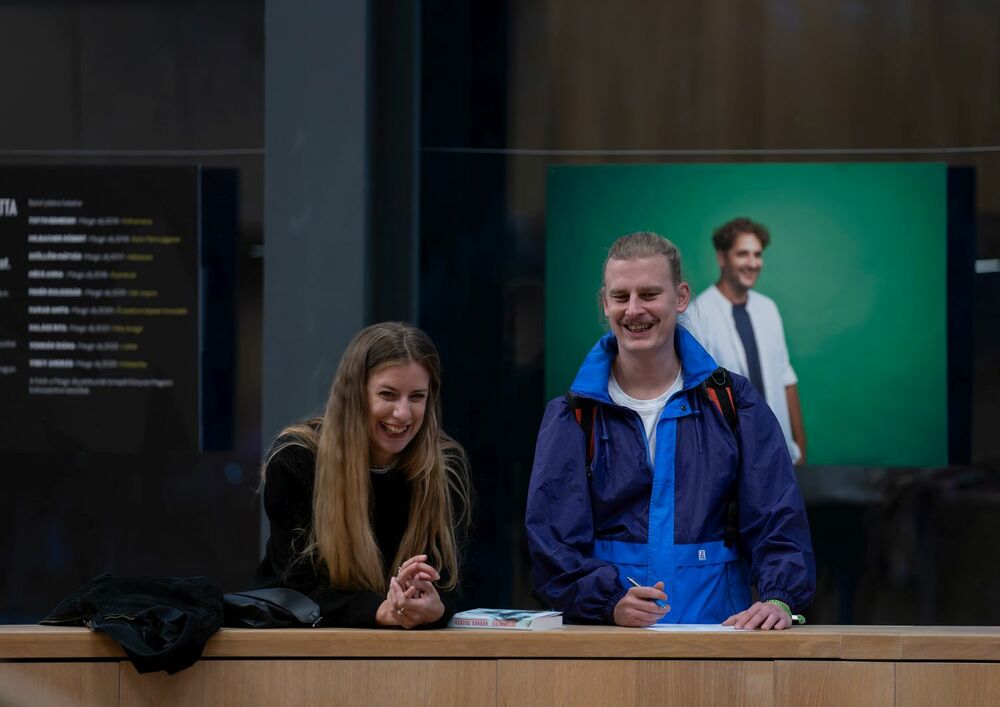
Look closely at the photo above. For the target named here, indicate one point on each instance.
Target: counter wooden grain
(579, 665)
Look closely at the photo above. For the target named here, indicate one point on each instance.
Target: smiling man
(742, 330)
(665, 511)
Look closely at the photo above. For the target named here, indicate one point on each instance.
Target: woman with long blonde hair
(364, 501)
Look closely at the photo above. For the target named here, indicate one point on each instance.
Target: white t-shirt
(649, 410)
(710, 320)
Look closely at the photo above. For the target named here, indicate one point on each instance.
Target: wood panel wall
(722, 75)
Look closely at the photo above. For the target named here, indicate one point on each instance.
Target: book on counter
(515, 619)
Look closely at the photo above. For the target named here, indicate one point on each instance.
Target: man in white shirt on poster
(742, 329)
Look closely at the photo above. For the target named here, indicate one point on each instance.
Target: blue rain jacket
(665, 520)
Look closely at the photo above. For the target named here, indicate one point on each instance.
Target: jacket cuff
(608, 614)
(780, 596)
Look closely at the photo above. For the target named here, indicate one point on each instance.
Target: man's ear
(683, 297)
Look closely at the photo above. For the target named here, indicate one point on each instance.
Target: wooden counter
(811, 665)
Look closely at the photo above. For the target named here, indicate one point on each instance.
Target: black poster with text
(99, 309)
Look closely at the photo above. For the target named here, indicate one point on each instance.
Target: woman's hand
(416, 569)
(386, 614)
(419, 604)
(412, 599)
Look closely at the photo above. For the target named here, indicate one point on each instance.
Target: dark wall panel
(138, 83)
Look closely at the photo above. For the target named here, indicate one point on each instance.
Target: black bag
(161, 623)
(276, 607)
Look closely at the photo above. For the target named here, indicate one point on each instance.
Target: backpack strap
(718, 388)
(585, 412)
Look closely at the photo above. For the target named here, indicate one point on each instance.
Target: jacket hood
(592, 379)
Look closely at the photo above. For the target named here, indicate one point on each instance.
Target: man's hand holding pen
(641, 606)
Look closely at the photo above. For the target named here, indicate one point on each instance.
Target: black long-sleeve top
(288, 493)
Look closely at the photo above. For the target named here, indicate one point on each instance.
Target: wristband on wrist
(796, 618)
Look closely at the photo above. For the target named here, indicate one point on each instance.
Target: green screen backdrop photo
(857, 266)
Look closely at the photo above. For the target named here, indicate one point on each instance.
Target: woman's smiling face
(397, 399)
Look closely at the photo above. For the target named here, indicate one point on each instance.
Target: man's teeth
(395, 429)
(638, 328)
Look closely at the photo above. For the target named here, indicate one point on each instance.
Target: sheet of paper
(689, 628)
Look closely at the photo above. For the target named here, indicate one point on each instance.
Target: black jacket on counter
(162, 623)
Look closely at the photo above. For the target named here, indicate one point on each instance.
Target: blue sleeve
(774, 527)
(560, 524)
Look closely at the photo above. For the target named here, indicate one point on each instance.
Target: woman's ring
(400, 610)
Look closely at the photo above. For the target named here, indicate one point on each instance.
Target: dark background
(138, 84)
(467, 105)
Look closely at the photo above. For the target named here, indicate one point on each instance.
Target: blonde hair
(644, 244)
(341, 538)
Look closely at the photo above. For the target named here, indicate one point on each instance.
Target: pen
(659, 602)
